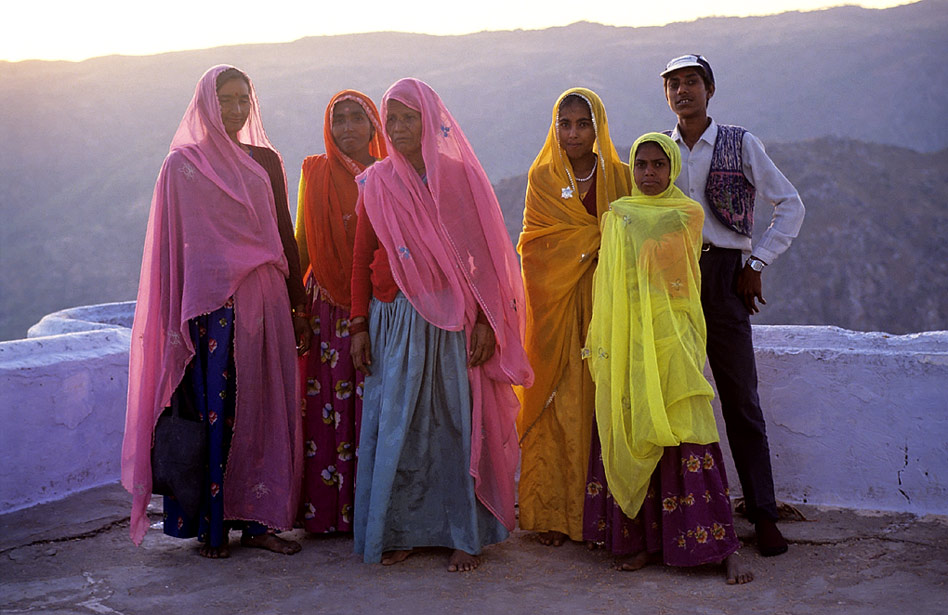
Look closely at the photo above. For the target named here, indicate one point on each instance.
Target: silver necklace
(588, 177)
(569, 191)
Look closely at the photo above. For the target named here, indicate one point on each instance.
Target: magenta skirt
(686, 514)
(332, 411)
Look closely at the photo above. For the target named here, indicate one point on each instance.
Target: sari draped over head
(212, 235)
(558, 246)
(450, 254)
(328, 195)
(646, 341)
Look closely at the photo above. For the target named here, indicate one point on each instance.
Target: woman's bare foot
(461, 561)
(210, 552)
(631, 562)
(551, 538)
(393, 557)
(271, 542)
(737, 570)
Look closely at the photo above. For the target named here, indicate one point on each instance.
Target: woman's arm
(483, 341)
(301, 224)
(363, 252)
(270, 161)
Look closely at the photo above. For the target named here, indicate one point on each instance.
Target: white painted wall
(858, 420)
(62, 404)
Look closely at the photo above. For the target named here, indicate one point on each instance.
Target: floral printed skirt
(686, 514)
(332, 410)
(209, 389)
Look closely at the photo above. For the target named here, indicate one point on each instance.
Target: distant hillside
(871, 255)
(83, 141)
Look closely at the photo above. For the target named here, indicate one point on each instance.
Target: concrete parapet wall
(858, 420)
(62, 404)
(85, 318)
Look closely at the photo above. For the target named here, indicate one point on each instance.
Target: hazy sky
(80, 29)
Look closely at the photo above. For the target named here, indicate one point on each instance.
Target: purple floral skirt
(686, 514)
(332, 411)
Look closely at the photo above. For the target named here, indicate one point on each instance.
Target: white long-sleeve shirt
(771, 186)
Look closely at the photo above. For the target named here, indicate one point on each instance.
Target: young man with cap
(724, 168)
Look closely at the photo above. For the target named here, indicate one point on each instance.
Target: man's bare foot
(271, 542)
(591, 545)
(461, 561)
(631, 562)
(210, 552)
(737, 570)
(393, 557)
(552, 538)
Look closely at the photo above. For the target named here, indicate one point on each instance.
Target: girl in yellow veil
(659, 484)
(571, 183)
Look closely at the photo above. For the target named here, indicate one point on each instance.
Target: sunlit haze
(71, 30)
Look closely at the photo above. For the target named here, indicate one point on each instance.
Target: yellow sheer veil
(674, 158)
(646, 339)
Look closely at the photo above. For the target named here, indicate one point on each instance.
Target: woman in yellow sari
(570, 185)
(659, 484)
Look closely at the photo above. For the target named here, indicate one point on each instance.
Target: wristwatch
(756, 264)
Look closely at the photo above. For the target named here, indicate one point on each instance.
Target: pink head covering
(202, 136)
(212, 235)
(450, 253)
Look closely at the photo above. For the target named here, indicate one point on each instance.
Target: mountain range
(850, 102)
(871, 255)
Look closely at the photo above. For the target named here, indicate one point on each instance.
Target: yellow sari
(646, 340)
(558, 248)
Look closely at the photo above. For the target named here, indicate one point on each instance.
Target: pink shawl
(450, 253)
(212, 234)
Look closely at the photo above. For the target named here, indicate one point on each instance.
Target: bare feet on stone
(210, 552)
(271, 542)
(552, 538)
(393, 557)
(631, 562)
(462, 561)
(737, 570)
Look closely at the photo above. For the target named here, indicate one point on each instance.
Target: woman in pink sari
(437, 327)
(214, 333)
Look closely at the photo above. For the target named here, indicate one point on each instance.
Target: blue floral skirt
(209, 388)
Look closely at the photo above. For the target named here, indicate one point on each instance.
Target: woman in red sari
(325, 233)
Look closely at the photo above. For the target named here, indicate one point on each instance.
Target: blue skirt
(210, 386)
(413, 486)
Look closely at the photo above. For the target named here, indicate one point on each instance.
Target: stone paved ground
(74, 556)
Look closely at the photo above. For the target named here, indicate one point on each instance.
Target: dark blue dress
(209, 387)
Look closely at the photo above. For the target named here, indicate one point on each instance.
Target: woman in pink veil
(437, 327)
(214, 333)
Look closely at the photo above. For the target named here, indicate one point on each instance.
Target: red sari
(331, 388)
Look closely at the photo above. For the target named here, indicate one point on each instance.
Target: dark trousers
(731, 356)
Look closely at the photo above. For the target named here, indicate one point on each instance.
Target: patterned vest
(729, 193)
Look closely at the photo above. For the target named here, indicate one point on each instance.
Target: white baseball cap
(687, 61)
